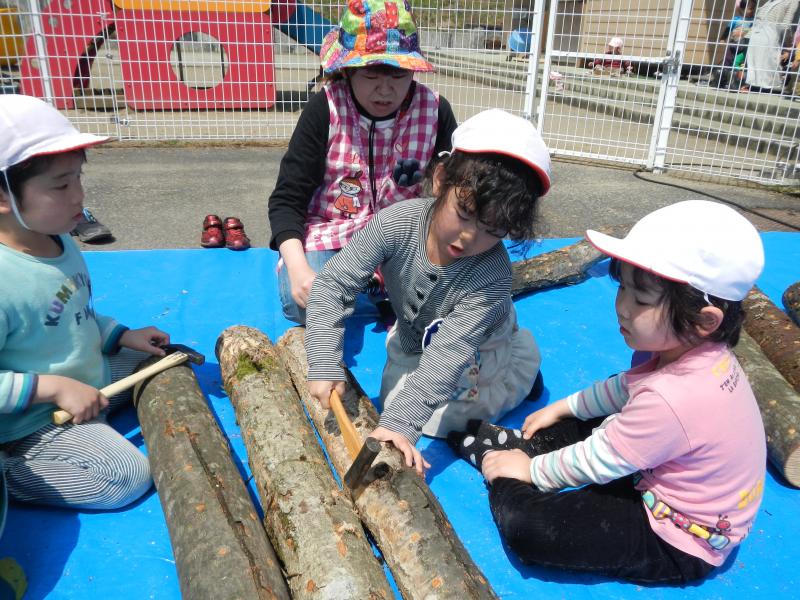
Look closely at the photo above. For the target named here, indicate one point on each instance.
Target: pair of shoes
(90, 230)
(230, 233)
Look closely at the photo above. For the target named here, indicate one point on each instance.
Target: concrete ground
(156, 197)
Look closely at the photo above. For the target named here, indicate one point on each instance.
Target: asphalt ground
(157, 197)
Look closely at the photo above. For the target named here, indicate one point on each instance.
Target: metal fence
(661, 85)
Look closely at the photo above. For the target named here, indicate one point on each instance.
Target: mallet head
(192, 355)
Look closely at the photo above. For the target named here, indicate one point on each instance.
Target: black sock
(481, 437)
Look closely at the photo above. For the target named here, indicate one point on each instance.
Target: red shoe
(235, 237)
(212, 236)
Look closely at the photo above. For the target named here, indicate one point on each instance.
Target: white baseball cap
(616, 42)
(31, 127)
(705, 244)
(497, 131)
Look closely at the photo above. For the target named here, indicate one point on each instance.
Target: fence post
(548, 56)
(533, 59)
(41, 51)
(670, 75)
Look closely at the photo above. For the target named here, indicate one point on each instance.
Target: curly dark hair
(683, 306)
(21, 172)
(503, 192)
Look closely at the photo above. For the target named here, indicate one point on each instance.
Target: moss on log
(404, 517)
(311, 523)
(220, 547)
(775, 332)
(791, 302)
(780, 408)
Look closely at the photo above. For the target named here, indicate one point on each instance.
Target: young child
(456, 351)
(611, 61)
(670, 490)
(55, 351)
(361, 144)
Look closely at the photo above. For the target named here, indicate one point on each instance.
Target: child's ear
(5, 203)
(437, 180)
(710, 320)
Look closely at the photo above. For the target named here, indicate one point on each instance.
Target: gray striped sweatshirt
(472, 295)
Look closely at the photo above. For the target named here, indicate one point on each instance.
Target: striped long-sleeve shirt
(471, 295)
(592, 460)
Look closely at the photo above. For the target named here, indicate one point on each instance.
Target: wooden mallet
(362, 454)
(176, 355)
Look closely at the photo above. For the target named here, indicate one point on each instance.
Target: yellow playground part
(228, 6)
(12, 43)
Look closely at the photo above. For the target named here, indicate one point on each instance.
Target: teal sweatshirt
(47, 326)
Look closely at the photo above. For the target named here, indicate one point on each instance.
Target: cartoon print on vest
(348, 201)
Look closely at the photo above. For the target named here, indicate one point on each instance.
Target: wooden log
(791, 302)
(404, 517)
(775, 332)
(221, 549)
(780, 408)
(311, 523)
(565, 266)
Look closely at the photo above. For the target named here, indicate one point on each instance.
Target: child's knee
(126, 482)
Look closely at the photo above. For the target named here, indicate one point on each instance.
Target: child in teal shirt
(55, 351)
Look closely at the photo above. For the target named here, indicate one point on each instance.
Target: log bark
(404, 517)
(791, 302)
(775, 332)
(311, 524)
(220, 547)
(780, 408)
(565, 266)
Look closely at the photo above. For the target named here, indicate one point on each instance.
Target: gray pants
(89, 465)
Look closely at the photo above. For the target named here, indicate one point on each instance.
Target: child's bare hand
(514, 464)
(321, 390)
(146, 339)
(413, 456)
(82, 401)
(544, 418)
(301, 279)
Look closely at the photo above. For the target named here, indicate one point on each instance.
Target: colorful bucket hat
(374, 32)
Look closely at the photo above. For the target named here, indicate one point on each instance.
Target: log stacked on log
(791, 302)
(775, 332)
(404, 517)
(220, 547)
(565, 266)
(780, 408)
(311, 523)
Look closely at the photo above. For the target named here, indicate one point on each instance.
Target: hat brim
(76, 142)
(410, 61)
(619, 249)
(544, 178)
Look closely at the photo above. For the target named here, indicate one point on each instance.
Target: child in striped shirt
(456, 351)
(667, 491)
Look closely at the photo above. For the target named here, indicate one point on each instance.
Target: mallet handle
(61, 416)
(352, 441)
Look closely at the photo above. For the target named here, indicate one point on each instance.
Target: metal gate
(635, 83)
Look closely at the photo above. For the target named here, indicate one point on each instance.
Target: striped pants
(89, 465)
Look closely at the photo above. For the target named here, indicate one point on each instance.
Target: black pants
(601, 529)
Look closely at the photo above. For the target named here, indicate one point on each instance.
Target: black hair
(683, 304)
(501, 191)
(21, 172)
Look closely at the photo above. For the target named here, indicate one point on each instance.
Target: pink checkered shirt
(343, 204)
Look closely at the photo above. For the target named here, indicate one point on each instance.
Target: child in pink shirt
(668, 458)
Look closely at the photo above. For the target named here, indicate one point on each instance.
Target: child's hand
(407, 172)
(301, 279)
(514, 464)
(413, 456)
(545, 417)
(82, 401)
(321, 390)
(146, 339)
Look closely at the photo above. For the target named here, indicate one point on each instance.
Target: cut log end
(792, 468)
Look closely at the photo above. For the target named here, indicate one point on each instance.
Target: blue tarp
(195, 294)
